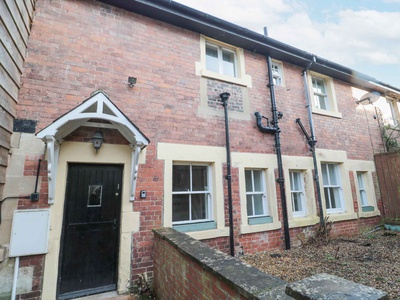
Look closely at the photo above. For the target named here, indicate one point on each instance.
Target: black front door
(90, 243)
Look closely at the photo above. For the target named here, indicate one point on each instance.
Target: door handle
(114, 223)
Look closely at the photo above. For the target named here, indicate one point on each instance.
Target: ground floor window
(297, 193)
(256, 193)
(332, 188)
(191, 193)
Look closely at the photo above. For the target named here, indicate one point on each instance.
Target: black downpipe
(312, 141)
(281, 179)
(224, 98)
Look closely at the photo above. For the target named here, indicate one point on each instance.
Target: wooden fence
(388, 171)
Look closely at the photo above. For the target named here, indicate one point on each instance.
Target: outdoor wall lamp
(97, 140)
(132, 81)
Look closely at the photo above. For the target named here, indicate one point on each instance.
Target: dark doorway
(90, 242)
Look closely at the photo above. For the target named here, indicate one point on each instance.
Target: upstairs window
(256, 194)
(277, 73)
(393, 112)
(332, 188)
(297, 194)
(320, 95)
(221, 60)
(191, 195)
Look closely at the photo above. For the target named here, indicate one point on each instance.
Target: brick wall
(187, 269)
(65, 64)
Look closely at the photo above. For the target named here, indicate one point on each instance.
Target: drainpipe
(276, 131)
(224, 98)
(311, 139)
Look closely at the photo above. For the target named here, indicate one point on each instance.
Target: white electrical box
(30, 232)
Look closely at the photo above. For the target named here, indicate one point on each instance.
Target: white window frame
(299, 192)
(329, 95)
(329, 185)
(277, 73)
(252, 193)
(362, 191)
(393, 112)
(240, 78)
(220, 52)
(318, 95)
(208, 191)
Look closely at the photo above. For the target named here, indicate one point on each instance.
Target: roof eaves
(185, 17)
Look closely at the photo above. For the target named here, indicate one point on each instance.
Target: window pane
(95, 194)
(199, 178)
(249, 205)
(325, 174)
(199, 206)
(334, 193)
(295, 181)
(249, 181)
(327, 198)
(333, 175)
(212, 63)
(363, 197)
(296, 202)
(258, 205)
(228, 60)
(257, 181)
(181, 178)
(360, 180)
(322, 102)
(180, 208)
(318, 86)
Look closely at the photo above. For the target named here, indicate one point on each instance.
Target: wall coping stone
(241, 277)
(326, 286)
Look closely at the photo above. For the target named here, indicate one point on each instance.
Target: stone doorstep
(326, 286)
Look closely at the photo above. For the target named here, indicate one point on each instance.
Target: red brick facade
(77, 47)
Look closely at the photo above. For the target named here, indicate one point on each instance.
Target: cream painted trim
(268, 163)
(306, 165)
(242, 79)
(367, 167)
(215, 157)
(333, 112)
(84, 153)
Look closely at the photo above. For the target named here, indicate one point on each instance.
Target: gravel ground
(372, 259)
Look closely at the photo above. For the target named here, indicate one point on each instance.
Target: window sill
(335, 217)
(303, 221)
(369, 214)
(244, 80)
(328, 113)
(244, 229)
(260, 220)
(195, 226)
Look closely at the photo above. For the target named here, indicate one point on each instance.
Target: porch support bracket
(134, 168)
(53, 150)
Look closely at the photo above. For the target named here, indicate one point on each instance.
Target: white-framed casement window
(191, 194)
(321, 100)
(277, 73)
(332, 188)
(394, 112)
(364, 193)
(322, 95)
(256, 195)
(297, 193)
(221, 60)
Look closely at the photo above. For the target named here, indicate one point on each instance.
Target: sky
(363, 35)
